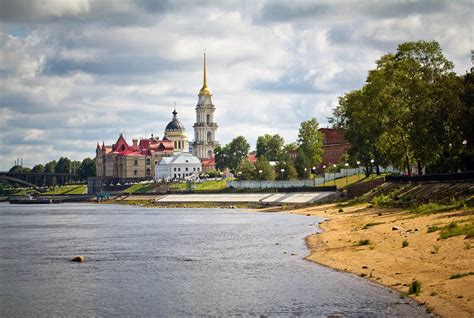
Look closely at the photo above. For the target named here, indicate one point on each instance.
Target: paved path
(267, 198)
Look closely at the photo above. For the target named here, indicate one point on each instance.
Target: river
(173, 262)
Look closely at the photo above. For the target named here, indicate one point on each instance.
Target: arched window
(208, 119)
(209, 136)
(209, 154)
(148, 161)
(135, 172)
(148, 172)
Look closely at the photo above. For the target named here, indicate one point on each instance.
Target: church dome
(174, 124)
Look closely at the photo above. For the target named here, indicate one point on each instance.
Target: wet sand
(427, 258)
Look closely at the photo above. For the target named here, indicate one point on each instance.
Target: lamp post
(281, 176)
(324, 174)
(334, 166)
(346, 165)
(358, 167)
(372, 167)
(305, 170)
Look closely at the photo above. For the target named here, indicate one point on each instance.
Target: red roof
(144, 147)
(208, 162)
(252, 158)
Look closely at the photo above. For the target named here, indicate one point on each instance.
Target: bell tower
(205, 127)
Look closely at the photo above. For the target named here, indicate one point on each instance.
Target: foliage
(267, 171)
(310, 147)
(368, 225)
(39, 168)
(246, 170)
(231, 155)
(50, 167)
(270, 146)
(86, 169)
(285, 170)
(19, 169)
(431, 208)
(455, 229)
(456, 276)
(362, 242)
(63, 165)
(414, 287)
(409, 112)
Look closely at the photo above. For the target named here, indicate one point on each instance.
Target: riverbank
(370, 242)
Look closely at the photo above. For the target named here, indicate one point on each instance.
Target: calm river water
(172, 262)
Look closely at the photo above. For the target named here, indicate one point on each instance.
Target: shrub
(372, 224)
(455, 276)
(436, 248)
(414, 287)
(382, 200)
(433, 228)
(404, 243)
(362, 242)
(430, 208)
(455, 229)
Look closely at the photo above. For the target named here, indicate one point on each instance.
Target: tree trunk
(377, 168)
(367, 173)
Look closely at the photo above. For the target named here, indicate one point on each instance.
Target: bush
(404, 243)
(433, 228)
(414, 287)
(454, 229)
(362, 242)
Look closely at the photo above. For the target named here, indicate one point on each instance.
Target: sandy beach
(427, 258)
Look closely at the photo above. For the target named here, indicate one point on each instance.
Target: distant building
(180, 166)
(205, 127)
(123, 161)
(334, 146)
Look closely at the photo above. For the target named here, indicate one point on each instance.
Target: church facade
(205, 127)
(123, 161)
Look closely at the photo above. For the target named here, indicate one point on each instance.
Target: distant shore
(369, 242)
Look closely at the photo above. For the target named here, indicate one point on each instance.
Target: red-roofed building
(124, 161)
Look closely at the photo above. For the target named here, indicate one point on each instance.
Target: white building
(181, 166)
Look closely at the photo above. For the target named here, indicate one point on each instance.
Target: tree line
(84, 168)
(290, 161)
(413, 113)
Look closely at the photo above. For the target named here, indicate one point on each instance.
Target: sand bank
(427, 258)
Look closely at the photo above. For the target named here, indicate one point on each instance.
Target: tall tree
(39, 168)
(310, 146)
(232, 154)
(263, 170)
(63, 165)
(50, 167)
(86, 169)
(270, 146)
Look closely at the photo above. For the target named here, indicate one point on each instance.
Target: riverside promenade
(260, 198)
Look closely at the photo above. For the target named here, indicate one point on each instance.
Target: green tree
(50, 167)
(263, 169)
(310, 146)
(270, 146)
(86, 169)
(285, 170)
(39, 168)
(63, 165)
(246, 170)
(234, 152)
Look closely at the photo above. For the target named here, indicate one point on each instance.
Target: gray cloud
(76, 72)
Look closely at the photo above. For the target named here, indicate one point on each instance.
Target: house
(180, 166)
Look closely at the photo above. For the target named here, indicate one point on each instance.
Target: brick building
(334, 146)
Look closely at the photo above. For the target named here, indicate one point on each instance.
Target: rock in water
(79, 259)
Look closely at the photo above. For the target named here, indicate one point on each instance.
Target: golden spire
(205, 90)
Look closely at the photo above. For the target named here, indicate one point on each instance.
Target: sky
(74, 73)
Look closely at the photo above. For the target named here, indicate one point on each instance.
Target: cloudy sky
(76, 72)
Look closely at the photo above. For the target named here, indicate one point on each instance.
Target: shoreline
(384, 261)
